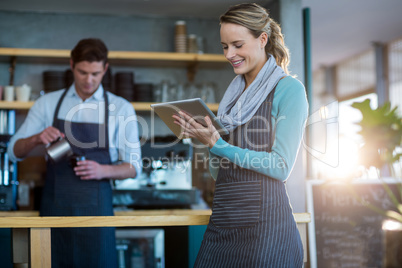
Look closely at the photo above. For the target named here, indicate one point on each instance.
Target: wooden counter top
(40, 228)
(148, 212)
(102, 221)
(177, 217)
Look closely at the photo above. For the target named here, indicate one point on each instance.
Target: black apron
(252, 223)
(65, 194)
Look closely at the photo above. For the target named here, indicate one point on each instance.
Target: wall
(62, 31)
(127, 33)
(289, 14)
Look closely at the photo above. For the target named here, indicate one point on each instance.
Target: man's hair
(91, 49)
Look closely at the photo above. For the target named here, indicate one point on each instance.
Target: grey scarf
(237, 107)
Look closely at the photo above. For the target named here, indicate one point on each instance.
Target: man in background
(102, 129)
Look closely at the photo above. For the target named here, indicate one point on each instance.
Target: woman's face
(245, 52)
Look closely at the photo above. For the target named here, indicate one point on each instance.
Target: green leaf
(381, 130)
(394, 215)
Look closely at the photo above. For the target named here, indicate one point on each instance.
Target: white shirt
(124, 144)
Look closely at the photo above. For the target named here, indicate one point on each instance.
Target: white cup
(23, 92)
(9, 93)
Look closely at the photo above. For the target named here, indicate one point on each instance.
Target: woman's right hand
(208, 135)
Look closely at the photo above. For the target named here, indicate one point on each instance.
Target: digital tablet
(196, 108)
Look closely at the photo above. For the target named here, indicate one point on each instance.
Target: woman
(265, 110)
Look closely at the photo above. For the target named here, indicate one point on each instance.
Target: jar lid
(180, 22)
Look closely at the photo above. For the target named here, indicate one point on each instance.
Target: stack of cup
(180, 37)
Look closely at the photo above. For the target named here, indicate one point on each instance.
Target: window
(395, 73)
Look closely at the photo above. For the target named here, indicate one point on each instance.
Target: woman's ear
(263, 39)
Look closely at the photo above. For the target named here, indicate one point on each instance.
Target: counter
(39, 227)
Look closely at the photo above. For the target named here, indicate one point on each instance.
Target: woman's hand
(190, 128)
(89, 170)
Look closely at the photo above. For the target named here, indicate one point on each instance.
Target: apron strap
(58, 107)
(272, 136)
(106, 122)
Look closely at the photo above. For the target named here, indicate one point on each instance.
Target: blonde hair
(256, 19)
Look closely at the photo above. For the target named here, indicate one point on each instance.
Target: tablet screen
(196, 108)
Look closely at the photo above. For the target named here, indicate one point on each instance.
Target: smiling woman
(265, 111)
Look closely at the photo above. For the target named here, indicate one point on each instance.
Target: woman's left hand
(191, 128)
(89, 170)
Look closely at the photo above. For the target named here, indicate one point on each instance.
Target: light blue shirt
(124, 142)
(289, 114)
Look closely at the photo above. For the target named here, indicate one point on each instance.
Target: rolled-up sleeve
(36, 121)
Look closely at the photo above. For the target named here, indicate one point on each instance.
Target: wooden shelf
(16, 105)
(191, 61)
(136, 58)
(138, 106)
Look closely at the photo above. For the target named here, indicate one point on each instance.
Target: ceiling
(339, 28)
(343, 28)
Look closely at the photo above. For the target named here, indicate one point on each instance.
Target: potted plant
(381, 130)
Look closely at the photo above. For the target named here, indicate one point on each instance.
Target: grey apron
(252, 223)
(65, 194)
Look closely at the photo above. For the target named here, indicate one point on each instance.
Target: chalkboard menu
(343, 231)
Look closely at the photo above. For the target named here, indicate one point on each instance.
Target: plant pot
(392, 244)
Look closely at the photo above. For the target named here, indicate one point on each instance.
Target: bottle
(137, 258)
(165, 85)
(192, 46)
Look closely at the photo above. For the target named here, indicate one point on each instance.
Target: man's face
(87, 77)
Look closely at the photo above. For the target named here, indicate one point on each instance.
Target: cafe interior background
(343, 51)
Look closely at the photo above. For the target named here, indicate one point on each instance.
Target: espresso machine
(166, 179)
